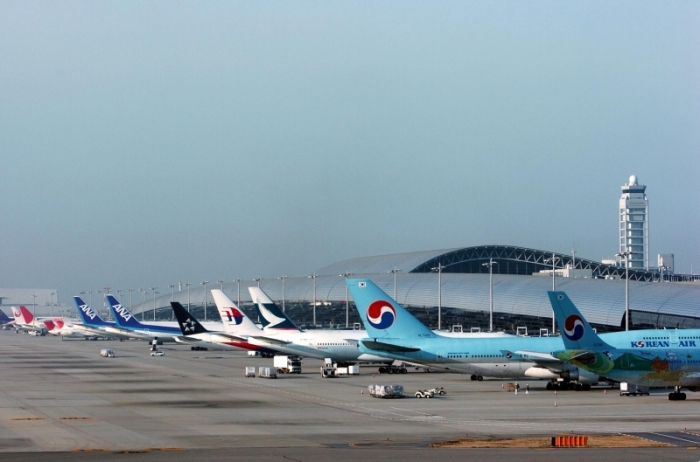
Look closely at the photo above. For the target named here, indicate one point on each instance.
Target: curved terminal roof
(465, 285)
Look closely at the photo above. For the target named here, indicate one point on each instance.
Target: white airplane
(198, 335)
(126, 324)
(282, 334)
(64, 329)
(25, 320)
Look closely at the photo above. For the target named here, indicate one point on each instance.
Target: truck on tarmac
(287, 364)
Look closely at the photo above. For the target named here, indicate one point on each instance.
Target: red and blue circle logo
(234, 316)
(381, 315)
(573, 327)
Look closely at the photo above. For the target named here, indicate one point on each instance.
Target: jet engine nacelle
(541, 373)
(580, 376)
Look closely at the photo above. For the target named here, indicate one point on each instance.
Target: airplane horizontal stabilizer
(382, 346)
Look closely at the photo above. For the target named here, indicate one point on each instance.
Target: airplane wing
(534, 356)
(270, 341)
(382, 346)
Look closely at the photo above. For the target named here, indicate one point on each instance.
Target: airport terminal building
(521, 279)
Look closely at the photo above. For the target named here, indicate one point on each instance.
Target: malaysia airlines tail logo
(123, 312)
(88, 311)
(573, 328)
(381, 315)
(234, 316)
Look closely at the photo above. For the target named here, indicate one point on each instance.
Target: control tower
(634, 223)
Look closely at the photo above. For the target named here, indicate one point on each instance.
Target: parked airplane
(24, 320)
(127, 324)
(282, 334)
(674, 363)
(93, 324)
(395, 333)
(59, 327)
(196, 334)
(6, 322)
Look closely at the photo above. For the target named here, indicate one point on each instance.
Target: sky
(149, 143)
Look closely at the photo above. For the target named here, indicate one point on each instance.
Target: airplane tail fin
(234, 319)
(122, 316)
(269, 311)
(3, 318)
(381, 315)
(26, 314)
(576, 332)
(188, 323)
(19, 319)
(87, 314)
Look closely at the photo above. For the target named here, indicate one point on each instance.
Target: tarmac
(62, 400)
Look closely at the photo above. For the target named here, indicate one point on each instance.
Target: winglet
(575, 330)
(381, 315)
(188, 324)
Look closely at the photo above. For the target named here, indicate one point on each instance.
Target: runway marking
(675, 437)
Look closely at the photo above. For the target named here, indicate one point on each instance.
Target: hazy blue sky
(146, 143)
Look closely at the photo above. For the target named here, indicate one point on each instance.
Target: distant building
(634, 224)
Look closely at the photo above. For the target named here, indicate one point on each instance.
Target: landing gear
(477, 377)
(676, 395)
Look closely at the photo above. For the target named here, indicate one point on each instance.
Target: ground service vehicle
(630, 389)
(287, 364)
(424, 394)
(386, 391)
(107, 353)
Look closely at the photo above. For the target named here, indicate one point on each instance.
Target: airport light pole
(283, 294)
(172, 298)
(553, 259)
(205, 299)
(439, 269)
(395, 270)
(347, 299)
(130, 304)
(221, 284)
(314, 276)
(188, 284)
(662, 268)
(143, 311)
(52, 294)
(90, 294)
(626, 255)
(238, 281)
(257, 279)
(490, 265)
(34, 309)
(154, 302)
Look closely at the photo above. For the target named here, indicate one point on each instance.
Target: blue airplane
(674, 363)
(5, 321)
(128, 325)
(93, 324)
(394, 333)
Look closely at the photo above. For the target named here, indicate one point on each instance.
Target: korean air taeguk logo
(573, 327)
(381, 315)
(234, 316)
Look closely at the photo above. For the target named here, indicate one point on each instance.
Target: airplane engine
(580, 376)
(541, 373)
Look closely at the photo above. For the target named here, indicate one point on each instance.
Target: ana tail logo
(381, 315)
(123, 312)
(234, 316)
(88, 311)
(573, 327)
